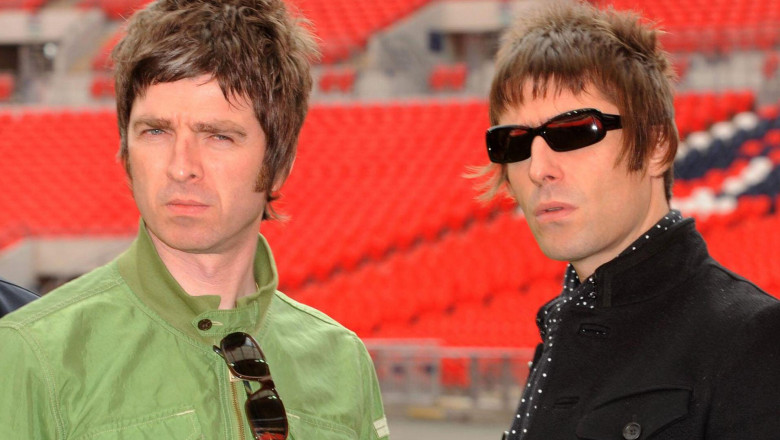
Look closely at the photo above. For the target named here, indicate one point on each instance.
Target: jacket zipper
(237, 408)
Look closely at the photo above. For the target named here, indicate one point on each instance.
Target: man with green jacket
(184, 336)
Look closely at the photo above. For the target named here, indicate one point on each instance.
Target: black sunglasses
(264, 408)
(565, 132)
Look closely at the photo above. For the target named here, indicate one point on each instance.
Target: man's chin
(190, 247)
(559, 251)
(181, 237)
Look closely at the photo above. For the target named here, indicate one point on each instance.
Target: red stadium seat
(771, 63)
(6, 86)
(448, 77)
(337, 79)
(102, 86)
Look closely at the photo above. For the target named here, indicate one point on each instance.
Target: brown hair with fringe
(569, 46)
(253, 48)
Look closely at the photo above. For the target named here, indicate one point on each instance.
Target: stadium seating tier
(710, 26)
(342, 26)
(384, 232)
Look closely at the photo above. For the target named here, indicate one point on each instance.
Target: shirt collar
(657, 267)
(149, 279)
(591, 292)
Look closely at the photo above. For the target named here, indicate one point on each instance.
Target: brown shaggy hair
(253, 48)
(568, 46)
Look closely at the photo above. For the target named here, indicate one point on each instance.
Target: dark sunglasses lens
(508, 144)
(244, 356)
(573, 132)
(267, 416)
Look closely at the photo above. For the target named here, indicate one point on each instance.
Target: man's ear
(658, 160)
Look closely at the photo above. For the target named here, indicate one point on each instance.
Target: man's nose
(543, 166)
(185, 162)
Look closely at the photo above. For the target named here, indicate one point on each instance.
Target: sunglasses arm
(247, 388)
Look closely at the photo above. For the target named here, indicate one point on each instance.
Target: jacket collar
(654, 268)
(153, 284)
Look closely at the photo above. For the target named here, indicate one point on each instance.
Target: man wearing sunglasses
(650, 337)
(184, 336)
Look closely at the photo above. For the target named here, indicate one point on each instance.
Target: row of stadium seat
(697, 111)
(507, 317)
(345, 26)
(60, 176)
(710, 26)
(717, 178)
(727, 143)
(758, 243)
(431, 278)
(337, 79)
(341, 79)
(448, 77)
(392, 175)
(450, 288)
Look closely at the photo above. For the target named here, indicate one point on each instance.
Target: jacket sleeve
(746, 392)
(27, 409)
(374, 423)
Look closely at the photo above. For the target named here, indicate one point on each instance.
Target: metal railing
(421, 373)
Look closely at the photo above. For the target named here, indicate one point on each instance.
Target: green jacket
(119, 354)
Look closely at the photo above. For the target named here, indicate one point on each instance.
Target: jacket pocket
(179, 425)
(305, 427)
(635, 417)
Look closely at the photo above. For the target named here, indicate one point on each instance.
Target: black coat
(12, 297)
(677, 347)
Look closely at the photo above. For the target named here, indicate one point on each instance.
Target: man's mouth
(553, 211)
(186, 207)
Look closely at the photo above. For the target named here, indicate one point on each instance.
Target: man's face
(582, 206)
(195, 159)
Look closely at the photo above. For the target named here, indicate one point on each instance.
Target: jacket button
(204, 324)
(632, 431)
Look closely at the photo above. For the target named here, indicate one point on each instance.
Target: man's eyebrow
(219, 127)
(151, 122)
